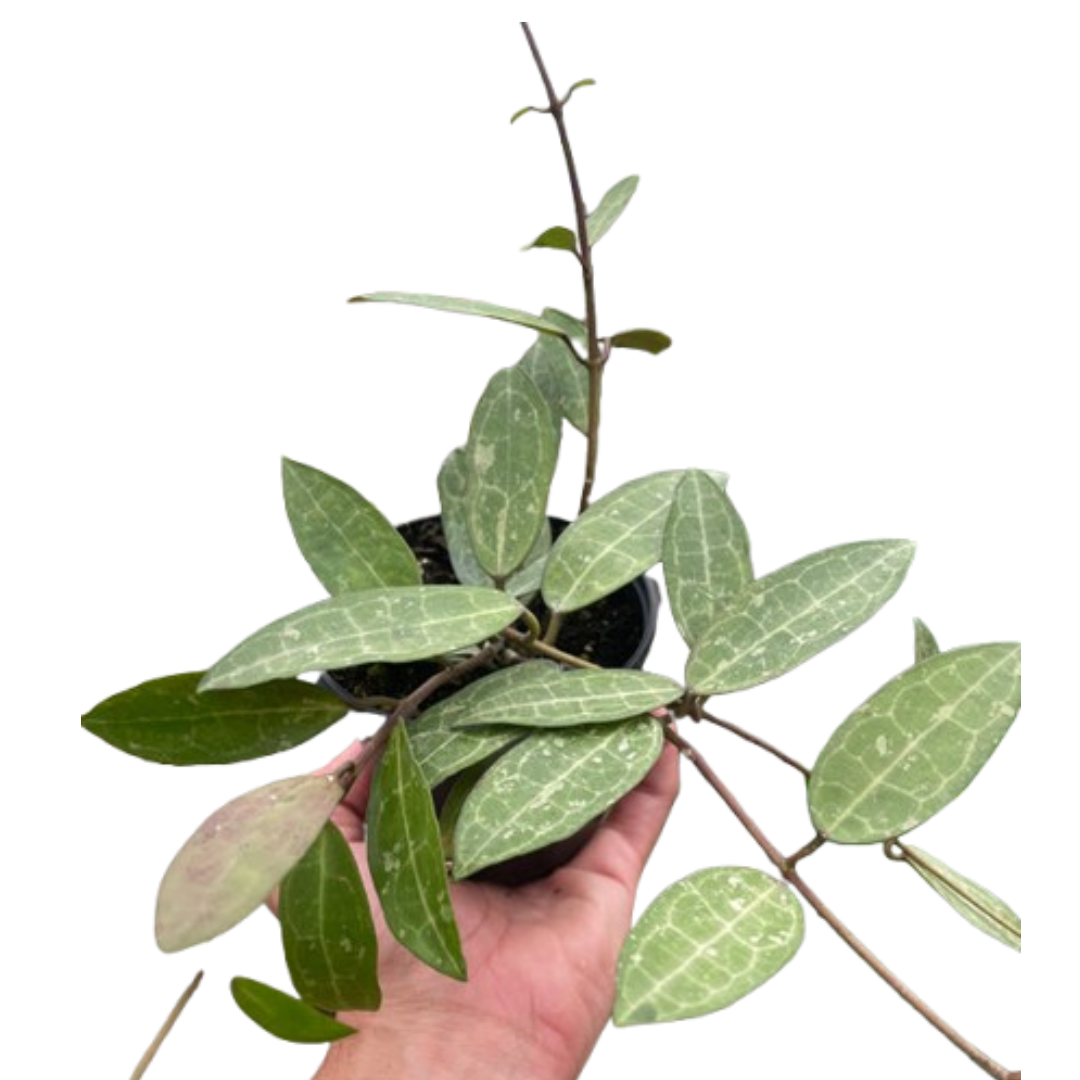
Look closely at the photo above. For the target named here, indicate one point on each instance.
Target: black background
(813, 232)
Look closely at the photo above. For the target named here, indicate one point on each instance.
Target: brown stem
(163, 1034)
(816, 844)
(701, 714)
(549, 652)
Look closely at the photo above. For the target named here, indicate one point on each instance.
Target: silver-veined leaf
(567, 698)
(442, 749)
(406, 861)
(650, 341)
(789, 617)
(170, 722)
(611, 208)
(617, 539)
(236, 858)
(916, 745)
(561, 377)
(549, 786)
(706, 943)
(327, 929)
(511, 456)
(389, 625)
(979, 906)
(558, 238)
(453, 490)
(706, 554)
(284, 1017)
(346, 541)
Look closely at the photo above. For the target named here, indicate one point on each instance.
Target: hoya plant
(503, 652)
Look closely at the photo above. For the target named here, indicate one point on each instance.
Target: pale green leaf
(706, 554)
(345, 539)
(511, 456)
(611, 208)
(550, 786)
(327, 929)
(284, 1017)
(706, 943)
(406, 861)
(521, 112)
(561, 377)
(236, 858)
(979, 906)
(460, 307)
(791, 616)
(616, 540)
(443, 750)
(650, 341)
(453, 490)
(926, 645)
(573, 327)
(565, 698)
(916, 745)
(558, 238)
(389, 625)
(170, 722)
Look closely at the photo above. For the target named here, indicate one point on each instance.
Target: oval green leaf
(706, 943)
(558, 238)
(560, 377)
(346, 541)
(236, 858)
(916, 745)
(170, 722)
(979, 906)
(706, 554)
(453, 491)
(327, 929)
(443, 750)
(617, 539)
(389, 625)
(284, 1017)
(926, 645)
(611, 208)
(550, 786)
(566, 698)
(650, 341)
(791, 616)
(572, 327)
(406, 861)
(460, 307)
(511, 456)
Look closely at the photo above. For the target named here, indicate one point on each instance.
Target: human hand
(542, 961)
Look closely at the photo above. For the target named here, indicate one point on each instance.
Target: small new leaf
(558, 238)
(611, 208)
(650, 341)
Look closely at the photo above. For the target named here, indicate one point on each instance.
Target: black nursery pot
(616, 632)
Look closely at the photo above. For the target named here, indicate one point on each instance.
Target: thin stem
(542, 648)
(701, 714)
(815, 845)
(792, 876)
(170, 1023)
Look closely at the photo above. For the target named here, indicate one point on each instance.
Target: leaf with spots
(789, 617)
(916, 745)
(926, 645)
(284, 1017)
(170, 722)
(616, 540)
(612, 207)
(979, 906)
(453, 489)
(406, 861)
(564, 699)
(327, 929)
(455, 306)
(706, 943)
(549, 786)
(706, 554)
(387, 625)
(346, 541)
(560, 376)
(442, 749)
(236, 858)
(511, 455)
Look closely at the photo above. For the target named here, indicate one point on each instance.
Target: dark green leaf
(611, 208)
(284, 1017)
(650, 341)
(329, 936)
(559, 238)
(168, 721)
(460, 307)
(926, 645)
(406, 860)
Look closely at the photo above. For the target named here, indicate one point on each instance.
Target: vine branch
(163, 1034)
(701, 714)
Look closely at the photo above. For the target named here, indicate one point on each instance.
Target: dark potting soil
(608, 633)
